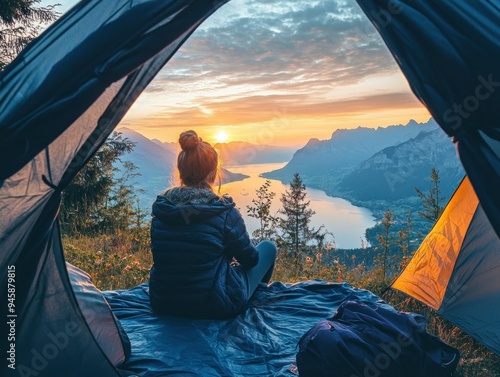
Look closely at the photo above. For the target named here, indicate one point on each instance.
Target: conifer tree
(261, 210)
(404, 240)
(90, 197)
(20, 22)
(297, 216)
(386, 240)
(432, 201)
(120, 212)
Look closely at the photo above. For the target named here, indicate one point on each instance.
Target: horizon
(275, 74)
(214, 138)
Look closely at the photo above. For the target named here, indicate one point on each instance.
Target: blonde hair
(198, 162)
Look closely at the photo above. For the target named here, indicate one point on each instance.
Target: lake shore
(346, 221)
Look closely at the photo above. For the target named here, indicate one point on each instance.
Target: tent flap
(449, 52)
(59, 101)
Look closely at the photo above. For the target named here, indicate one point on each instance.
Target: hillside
(346, 149)
(394, 172)
(152, 158)
(385, 178)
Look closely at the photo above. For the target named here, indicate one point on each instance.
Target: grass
(118, 261)
(123, 260)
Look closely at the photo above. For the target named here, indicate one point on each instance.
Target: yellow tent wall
(427, 275)
(456, 270)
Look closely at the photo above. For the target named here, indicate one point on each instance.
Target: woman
(205, 265)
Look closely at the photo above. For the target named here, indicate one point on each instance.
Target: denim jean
(263, 271)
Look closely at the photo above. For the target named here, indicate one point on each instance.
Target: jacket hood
(185, 204)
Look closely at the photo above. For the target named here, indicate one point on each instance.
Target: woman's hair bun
(189, 140)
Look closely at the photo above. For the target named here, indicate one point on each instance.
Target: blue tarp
(260, 342)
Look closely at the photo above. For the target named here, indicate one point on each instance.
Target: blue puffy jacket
(194, 236)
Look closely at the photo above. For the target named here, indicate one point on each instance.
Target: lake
(346, 221)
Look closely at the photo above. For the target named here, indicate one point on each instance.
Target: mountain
(172, 146)
(241, 153)
(156, 162)
(346, 149)
(394, 172)
(152, 159)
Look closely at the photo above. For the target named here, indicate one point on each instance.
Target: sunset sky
(276, 72)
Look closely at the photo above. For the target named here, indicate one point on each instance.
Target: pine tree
(261, 210)
(404, 240)
(87, 200)
(432, 201)
(386, 240)
(139, 215)
(119, 212)
(297, 216)
(20, 22)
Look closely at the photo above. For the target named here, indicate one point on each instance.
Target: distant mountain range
(365, 165)
(157, 161)
(347, 148)
(152, 158)
(394, 172)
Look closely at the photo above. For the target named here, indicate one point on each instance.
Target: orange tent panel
(427, 275)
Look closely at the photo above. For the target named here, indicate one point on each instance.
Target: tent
(455, 270)
(64, 94)
(59, 101)
(449, 52)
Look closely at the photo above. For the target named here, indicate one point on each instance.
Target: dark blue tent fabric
(65, 93)
(473, 303)
(450, 52)
(260, 342)
(72, 64)
(59, 101)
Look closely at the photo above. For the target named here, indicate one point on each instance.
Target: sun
(221, 136)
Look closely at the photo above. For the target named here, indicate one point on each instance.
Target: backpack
(368, 340)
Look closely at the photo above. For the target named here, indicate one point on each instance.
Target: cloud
(281, 45)
(257, 109)
(254, 59)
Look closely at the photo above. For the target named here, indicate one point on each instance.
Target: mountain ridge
(388, 176)
(346, 148)
(394, 172)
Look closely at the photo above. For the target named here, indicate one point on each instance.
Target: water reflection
(347, 222)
